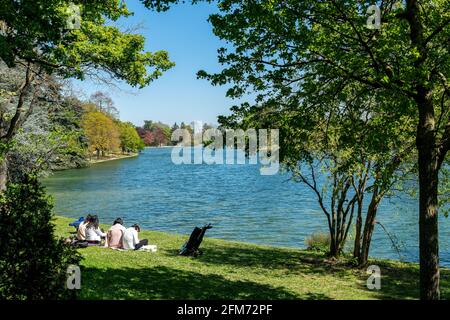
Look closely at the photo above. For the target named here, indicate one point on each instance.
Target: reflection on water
(239, 202)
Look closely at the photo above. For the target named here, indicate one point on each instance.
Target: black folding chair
(191, 247)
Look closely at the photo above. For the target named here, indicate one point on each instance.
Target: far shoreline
(113, 158)
(160, 147)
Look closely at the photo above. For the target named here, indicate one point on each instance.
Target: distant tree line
(157, 134)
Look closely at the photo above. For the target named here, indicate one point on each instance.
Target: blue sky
(178, 95)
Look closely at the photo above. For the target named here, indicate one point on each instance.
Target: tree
(187, 127)
(51, 138)
(160, 137)
(348, 159)
(175, 127)
(146, 136)
(66, 116)
(40, 38)
(148, 125)
(129, 138)
(206, 126)
(33, 262)
(161, 132)
(298, 47)
(104, 103)
(102, 133)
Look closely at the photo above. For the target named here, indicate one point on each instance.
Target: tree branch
(437, 31)
(23, 91)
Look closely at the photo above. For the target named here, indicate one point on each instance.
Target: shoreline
(255, 244)
(161, 147)
(113, 158)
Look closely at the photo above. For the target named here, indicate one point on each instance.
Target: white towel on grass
(149, 248)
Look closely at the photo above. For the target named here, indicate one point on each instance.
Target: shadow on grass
(402, 282)
(398, 281)
(166, 283)
(297, 262)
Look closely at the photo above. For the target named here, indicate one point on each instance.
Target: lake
(240, 203)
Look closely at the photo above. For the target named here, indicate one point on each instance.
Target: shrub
(318, 241)
(33, 263)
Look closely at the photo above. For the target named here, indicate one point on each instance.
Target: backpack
(191, 247)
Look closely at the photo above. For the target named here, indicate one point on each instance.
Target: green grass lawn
(234, 270)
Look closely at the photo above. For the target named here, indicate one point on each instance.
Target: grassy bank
(233, 270)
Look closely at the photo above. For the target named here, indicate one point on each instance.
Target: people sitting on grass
(93, 232)
(131, 238)
(114, 237)
(81, 231)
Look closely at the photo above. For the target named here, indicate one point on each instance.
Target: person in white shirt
(93, 233)
(131, 238)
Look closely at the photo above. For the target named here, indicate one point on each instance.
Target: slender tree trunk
(334, 247)
(357, 246)
(368, 228)
(337, 236)
(367, 236)
(428, 198)
(3, 173)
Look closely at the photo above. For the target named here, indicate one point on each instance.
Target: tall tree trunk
(333, 244)
(428, 198)
(428, 164)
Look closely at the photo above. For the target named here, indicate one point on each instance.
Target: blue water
(240, 203)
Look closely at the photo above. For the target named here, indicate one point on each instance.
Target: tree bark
(334, 247)
(427, 162)
(357, 245)
(428, 198)
(368, 228)
(3, 173)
